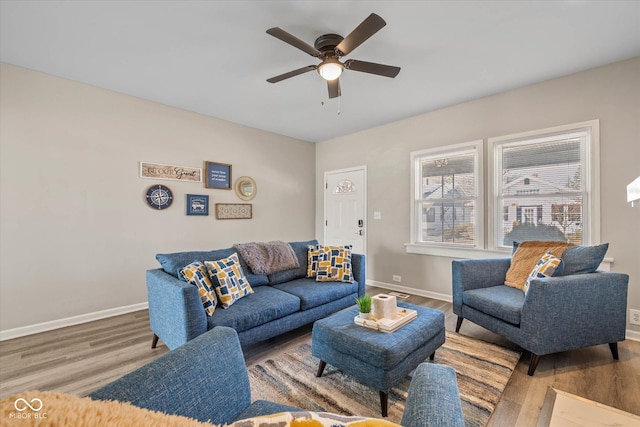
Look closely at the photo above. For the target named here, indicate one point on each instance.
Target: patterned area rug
(483, 370)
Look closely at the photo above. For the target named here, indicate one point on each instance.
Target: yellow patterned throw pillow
(311, 419)
(196, 274)
(334, 264)
(549, 265)
(229, 280)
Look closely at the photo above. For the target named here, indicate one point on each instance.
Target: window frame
(444, 248)
(591, 218)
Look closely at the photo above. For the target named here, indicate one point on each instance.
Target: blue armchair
(206, 379)
(557, 313)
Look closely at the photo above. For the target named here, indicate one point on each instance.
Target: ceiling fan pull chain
(339, 105)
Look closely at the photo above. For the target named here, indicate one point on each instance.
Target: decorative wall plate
(159, 196)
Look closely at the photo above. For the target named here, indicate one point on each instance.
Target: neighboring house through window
(447, 196)
(544, 185)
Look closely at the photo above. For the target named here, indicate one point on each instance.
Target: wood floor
(82, 358)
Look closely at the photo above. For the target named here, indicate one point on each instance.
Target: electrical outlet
(634, 317)
(397, 278)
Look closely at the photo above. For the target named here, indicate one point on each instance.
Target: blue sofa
(557, 313)
(206, 379)
(281, 302)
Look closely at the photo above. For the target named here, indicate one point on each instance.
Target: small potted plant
(364, 305)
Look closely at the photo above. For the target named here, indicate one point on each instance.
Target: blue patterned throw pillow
(229, 280)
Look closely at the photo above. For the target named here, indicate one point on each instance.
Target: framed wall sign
(172, 172)
(218, 175)
(197, 204)
(233, 211)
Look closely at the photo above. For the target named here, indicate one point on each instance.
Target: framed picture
(172, 172)
(218, 175)
(233, 211)
(197, 204)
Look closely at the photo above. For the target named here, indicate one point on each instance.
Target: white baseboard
(412, 291)
(633, 335)
(630, 335)
(70, 321)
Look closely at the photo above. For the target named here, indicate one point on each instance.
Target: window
(447, 196)
(545, 185)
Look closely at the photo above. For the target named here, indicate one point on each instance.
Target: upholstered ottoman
(375, 358)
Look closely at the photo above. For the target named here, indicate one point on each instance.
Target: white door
(345, 201)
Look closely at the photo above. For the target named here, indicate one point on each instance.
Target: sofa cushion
(549, 265)
(228, 279)
(172, 263)
(502, 302)
(313, 294)
(583, 259)
(334, 264)
(196, 274)
(266, 304)
(301, 250)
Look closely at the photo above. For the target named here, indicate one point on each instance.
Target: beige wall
(610, 94)
(76, 233)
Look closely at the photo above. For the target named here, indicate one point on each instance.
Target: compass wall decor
(159, 196)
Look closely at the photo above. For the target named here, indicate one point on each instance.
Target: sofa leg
(321, 367)
(155, 341)
(433, 356)
(459, 323)
(533, 364)
(614, 349)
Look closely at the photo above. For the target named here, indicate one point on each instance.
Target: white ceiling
(213, 57)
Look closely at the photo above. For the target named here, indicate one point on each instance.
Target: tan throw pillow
(527, 256)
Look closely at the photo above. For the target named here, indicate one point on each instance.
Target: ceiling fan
(330, 48)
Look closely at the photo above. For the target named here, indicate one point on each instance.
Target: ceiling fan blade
(372, 68)
(281, 34)
(334, 88)
(290, 74)
(371, 25)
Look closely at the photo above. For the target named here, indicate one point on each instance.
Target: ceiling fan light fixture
(330, 69)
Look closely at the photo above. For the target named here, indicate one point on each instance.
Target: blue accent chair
(557, 314)
(206, 379)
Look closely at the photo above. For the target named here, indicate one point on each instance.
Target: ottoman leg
(384, 403)
(321, 367)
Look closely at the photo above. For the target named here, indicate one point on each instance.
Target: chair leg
(321, 367)
(155, 341)
(459, 323)
(614, 349)
(533, 364)
(384, 403)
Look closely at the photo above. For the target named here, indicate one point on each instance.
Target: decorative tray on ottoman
(402, 317)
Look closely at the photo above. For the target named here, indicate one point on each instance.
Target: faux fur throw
(526, 257)
(35, 408)
(268, 257)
